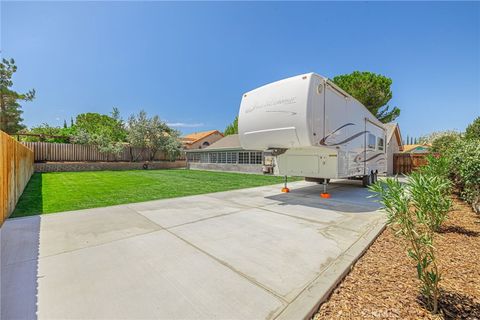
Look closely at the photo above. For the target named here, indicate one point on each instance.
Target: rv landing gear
(325, 194)
(285, 188)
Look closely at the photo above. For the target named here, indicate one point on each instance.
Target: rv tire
(367, 180)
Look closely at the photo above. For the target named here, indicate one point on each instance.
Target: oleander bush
(464, 165)
(415, 210)
(473, 130)
(437, 166)
(459, 160)
(445, 142)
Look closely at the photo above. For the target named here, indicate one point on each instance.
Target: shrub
(48, 134)
(445, 142)
(430, 197)
(429, 138)
(415, 210)
(437, 166)
(473, 130)
(464, 159)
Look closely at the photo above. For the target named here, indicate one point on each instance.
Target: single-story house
(394, 144)
(416, 148)
(200, 140)
(226, 155)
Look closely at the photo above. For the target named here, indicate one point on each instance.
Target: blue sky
(190, 62)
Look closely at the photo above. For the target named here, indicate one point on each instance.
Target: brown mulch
(383, 283)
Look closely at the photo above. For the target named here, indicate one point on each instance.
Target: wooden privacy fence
(405, 163)
(16, 168)
(46, 151)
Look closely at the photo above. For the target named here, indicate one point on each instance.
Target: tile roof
(194, 137)
(410, 147)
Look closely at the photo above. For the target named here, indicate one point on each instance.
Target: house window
(194, 157)
(231, 157)
(243, 157)
(205, 144)
(380, 144)
(371, 141)
(255, 157)
(213, 157)
(222, 157)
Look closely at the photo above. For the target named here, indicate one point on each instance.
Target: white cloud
(184, 125)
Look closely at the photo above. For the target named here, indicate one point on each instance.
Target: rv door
(317, 109)
(335, 117)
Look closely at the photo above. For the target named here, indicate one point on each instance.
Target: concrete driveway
(247, 254)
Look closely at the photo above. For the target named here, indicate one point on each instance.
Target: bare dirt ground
(383, 283)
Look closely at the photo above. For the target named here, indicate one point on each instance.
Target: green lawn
(63, 191)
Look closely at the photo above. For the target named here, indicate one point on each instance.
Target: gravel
(383, 283)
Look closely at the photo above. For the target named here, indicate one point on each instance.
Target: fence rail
(405, 163)
(16, 168)
(46, 151)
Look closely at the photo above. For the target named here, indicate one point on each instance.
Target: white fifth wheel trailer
(313, 129)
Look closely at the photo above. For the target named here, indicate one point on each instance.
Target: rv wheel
(367, 180)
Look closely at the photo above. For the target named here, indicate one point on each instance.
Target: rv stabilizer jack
(285, 188)
(325, 194)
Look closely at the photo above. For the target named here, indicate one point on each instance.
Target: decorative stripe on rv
(323, 141)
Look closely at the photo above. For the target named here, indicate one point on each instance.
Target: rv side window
(371, 141)
(380, 144)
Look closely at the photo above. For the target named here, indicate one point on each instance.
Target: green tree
(372, 90)
(473, 129)
(108, 133)
(232, 128)
(48, 134)
(10, 108)
(96, 124)
(152, 134)
(172, 146)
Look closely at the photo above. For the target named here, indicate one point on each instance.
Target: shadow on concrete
(19, 256)
(346, 196)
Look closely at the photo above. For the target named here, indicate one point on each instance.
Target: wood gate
(405, 163)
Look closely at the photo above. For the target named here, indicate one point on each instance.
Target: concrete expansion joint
(243, 275)
(203, 219)
(99, 244)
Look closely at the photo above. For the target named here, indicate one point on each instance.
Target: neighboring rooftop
(196, 136)
(416, 148)
(229, 142)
